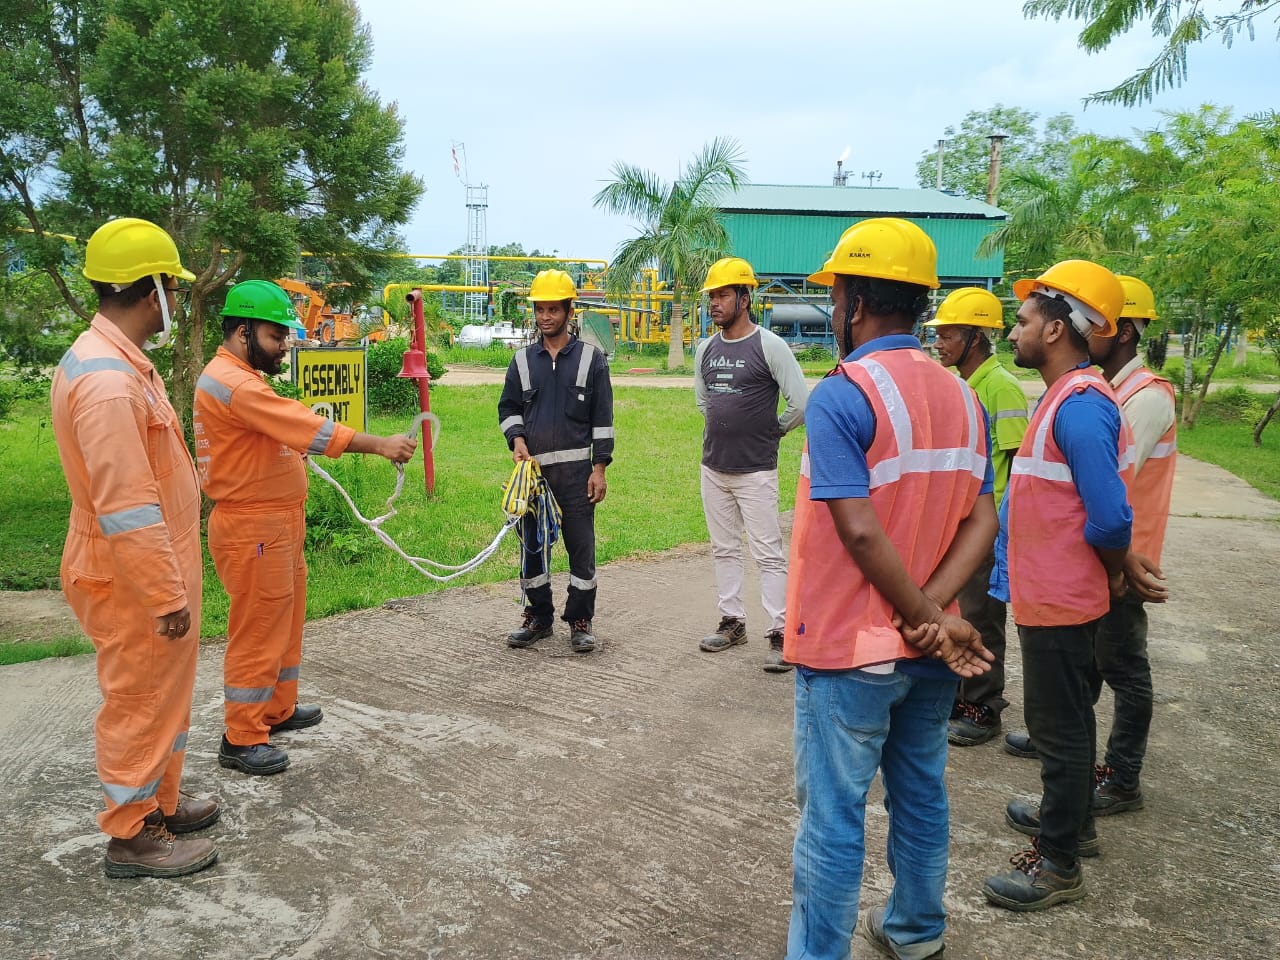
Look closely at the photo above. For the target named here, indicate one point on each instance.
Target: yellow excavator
(323, 323)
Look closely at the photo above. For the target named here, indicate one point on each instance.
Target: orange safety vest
(1152, 486)
(1056, 578)
(927, 462)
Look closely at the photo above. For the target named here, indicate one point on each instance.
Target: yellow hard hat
(1086, 285)
(969, 307)
(1139, 301)
(730, 272)
(552, 285)
(886, 248)
(124, 250)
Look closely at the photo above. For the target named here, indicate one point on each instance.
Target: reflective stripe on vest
(1055, 577)
(910, 459)
(928, 469)
(1152, 487)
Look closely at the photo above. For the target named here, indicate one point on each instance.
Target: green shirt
(1001, 395)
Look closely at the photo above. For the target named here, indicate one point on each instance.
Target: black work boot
(581, 639)
(304, 715)
(530, 632)
(1034, 883)
(731, 632)
(260, 759)
(1025, 818)
(1110, 797)
(975, 724)
(1021, 745)
(773, 662)
(156, 852)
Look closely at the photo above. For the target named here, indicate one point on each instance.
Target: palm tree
(680, 232)
(1078, 213)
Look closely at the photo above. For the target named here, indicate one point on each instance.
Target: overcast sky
(547, 96)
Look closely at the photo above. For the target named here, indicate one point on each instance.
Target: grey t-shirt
(737, 387)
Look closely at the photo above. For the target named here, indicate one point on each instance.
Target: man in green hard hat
(250, 442)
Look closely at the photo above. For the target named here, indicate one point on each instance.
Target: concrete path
(463, 800)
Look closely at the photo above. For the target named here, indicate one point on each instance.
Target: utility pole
(993, 168)
(942, 146)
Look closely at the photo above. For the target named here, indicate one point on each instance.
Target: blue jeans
(848, 724)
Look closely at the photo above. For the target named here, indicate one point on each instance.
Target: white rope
(418, 563)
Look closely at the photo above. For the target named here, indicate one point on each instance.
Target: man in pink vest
(1120, 650)
(894, 512)
(1068, 523)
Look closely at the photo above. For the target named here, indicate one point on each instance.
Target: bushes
(814, 353)
(387, 392)
(1236, 404)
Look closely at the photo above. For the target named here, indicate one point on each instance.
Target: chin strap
(161, 338)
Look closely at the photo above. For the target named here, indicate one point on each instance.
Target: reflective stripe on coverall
(132, 554)
(249, 442)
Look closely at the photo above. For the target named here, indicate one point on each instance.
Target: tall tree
(1208, 191)
(967, 153)
(1029, 155)
(240, 126)
(1182, 23)
(680, 231)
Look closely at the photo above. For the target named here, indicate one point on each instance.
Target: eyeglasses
(181, 294)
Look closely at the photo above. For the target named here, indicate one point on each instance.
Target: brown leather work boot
(155, 852)
(193, 813)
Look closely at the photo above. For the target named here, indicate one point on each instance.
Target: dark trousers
(1058, 690)
(1120, 655)
(568, 482)
(987, 614)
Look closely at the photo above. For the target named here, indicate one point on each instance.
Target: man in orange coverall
(131, 566)
(249, 447)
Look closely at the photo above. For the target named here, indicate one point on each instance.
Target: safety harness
(525, 493)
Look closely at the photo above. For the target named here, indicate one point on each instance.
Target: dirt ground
(465, 800)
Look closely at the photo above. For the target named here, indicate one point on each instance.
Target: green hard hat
(261, 300)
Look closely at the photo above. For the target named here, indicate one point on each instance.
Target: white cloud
(548, 96)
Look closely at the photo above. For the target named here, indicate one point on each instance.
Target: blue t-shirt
(1086, 427)
(841, 425)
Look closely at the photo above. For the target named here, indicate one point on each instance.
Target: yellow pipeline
(463, 256)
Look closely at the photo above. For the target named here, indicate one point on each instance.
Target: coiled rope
(526, 492)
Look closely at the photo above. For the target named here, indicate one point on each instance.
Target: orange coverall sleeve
(111, 434)
(288, 421)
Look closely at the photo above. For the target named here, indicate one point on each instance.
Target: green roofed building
(787, 233)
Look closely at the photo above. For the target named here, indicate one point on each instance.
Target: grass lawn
(1223, 434)
(653, 502)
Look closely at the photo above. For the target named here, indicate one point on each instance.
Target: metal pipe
(424, 387)
(993, 168)
(463, 256)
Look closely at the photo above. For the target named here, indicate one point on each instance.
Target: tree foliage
(1059, 214)
(966, 155)
(240, 126)
(1181, 23)
(679, 229)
